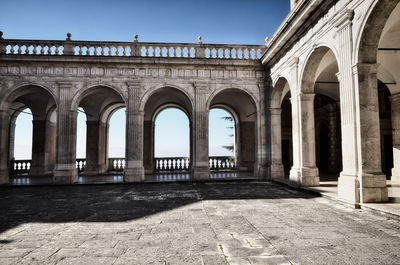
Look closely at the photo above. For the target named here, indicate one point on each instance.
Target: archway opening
(21, 134)
(167, 106)
(378, 47)
(222, 139)
(81, 139)
(95, 107)
(243, 107)
(116, 140)
(320, 86)
(286, 134)
(32, 132)
(171, 140)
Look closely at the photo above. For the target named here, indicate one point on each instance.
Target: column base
(4, 176)
(262, 172)
(348, 186)
(92, 170)
(373, 188)
(201, 173)
(304, 177)
(39, 171)
(65, 174)
(277, 171)
(132, 175)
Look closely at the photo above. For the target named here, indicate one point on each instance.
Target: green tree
(230, 147)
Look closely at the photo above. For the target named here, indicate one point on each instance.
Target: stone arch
(376, 57)
(367, 41)
(42, 102)
(11, 94)
(308, 73)
(148, 94)
(168, 106)
(244, 90)
(82, 93)
(278, 89)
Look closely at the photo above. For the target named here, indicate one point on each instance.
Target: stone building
(320, 100)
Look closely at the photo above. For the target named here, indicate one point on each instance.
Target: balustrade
(20, 166)
(80, 164)
(171, 164)
(136, 48)
(222, 163)
(161, 164)
(116, 164)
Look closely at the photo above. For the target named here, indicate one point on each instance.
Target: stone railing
(133, 49)
(222, 163)
(20, 166)
(80, 164)
(171, 164)
(116, 164)
(161, 164)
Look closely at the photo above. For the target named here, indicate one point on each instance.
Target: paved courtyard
(184, 223)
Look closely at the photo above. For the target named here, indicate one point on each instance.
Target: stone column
(39, 151)
(51, 141)
(304, 172)
(396, 137)
(148, 154)
(134, 170)
(95, 148)
(12, 138)
(4, 160)
(348, 184)
(372, 181)
(262, 144)
(200, 166)
(248, 144)
(276, 144)
(65, 171)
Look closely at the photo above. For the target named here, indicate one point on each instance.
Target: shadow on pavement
(110, 203)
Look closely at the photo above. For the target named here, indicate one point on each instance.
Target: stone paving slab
(188, 223)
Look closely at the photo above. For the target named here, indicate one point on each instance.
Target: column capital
(64, 84)
(344, 19)
(371, 68)
(134, 84)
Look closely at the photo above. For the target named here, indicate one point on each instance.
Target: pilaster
(371, 179)
(348, 182)
(263, 152)
(65, 171)
(134, 170)
(277, 170)
(200, 167)
(4, 160)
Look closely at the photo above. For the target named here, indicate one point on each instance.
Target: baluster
(57, 51)
(146, 49)
(124, 51)
(42, 49)
(117, 51)
(11, 48)
(19, 49)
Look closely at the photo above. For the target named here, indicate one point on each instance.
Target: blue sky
(217, 21)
